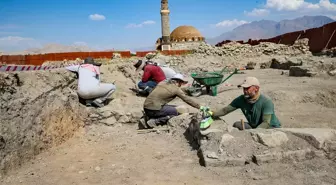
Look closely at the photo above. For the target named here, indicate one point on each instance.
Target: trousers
(163, 115)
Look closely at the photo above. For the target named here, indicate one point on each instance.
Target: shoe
(143, 123)
(151, 123)
(142, 93)
(97, 104)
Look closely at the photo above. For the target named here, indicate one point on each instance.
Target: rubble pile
(38, 110)
(64, 63)
(300, 47)
(301, 66)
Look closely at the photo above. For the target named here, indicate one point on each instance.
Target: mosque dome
(186, 33)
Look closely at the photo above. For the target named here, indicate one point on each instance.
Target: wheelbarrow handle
(222, 71)
(235, 72)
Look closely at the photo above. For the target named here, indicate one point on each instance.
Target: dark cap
(90, 60)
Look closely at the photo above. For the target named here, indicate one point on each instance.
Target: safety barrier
(320, 38)
(41, 58)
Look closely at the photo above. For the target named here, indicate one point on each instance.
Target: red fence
(41, 58)
(319, 38)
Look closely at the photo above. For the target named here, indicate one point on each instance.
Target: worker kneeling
(152, 75)
(155, 106)
(89, 87)
(257, 108)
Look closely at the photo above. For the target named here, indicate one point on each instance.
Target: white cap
(179, 76)
(250, 81)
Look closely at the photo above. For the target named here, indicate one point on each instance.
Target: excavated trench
(38, 110)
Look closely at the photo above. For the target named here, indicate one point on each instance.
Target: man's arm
(268, 110)
(223, 111)
(73, 68)
(186, 99)
(146, 75)
(235, 104)
(266, 121)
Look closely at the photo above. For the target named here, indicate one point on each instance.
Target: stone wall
(186, 45)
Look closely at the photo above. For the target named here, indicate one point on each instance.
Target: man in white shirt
(89, 87)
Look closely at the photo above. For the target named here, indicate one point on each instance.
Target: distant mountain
(52, 48)
(266, 28)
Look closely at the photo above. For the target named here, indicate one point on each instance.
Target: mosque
(181, 38)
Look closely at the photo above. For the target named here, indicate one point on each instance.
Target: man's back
(163, 93)
(154, 73)
(169, 72)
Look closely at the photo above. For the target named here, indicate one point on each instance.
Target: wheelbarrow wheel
(196, 93)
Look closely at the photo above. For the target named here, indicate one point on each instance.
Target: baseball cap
(90, 60)
(179, 76)
(139, 65)
(250, 81)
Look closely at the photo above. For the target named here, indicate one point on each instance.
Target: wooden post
(330, 39)
(297, 38)
(243, 125)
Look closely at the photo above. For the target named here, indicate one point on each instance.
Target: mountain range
(264, 29)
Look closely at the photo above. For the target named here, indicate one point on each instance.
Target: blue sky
(117, 24)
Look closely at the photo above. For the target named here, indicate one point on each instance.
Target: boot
(98, 103)
(151, 123)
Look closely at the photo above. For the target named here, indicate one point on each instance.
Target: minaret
(165, 25)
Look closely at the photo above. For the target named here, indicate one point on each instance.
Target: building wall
(185, 45)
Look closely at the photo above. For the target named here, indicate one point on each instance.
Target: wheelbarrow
(209, 80)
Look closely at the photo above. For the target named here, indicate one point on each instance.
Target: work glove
(204, 108)
(208, 113)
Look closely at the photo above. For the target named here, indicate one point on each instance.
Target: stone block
(300, 71)
(181, 120)
(224, 162)
(332, 73)
(226, 138)
(284, 63)
(314, 136)
(270, 138)
(285, 156)
(109, 121)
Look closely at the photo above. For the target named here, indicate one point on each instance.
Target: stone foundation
(185, 45)
(223, 145)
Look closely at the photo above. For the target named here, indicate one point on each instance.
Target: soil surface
(117, 154)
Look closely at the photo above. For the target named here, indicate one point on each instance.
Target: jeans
(143, 85)
(163, 115)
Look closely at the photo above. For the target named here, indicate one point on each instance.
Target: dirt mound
(38, 110)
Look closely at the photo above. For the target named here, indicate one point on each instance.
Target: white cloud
(132, 25)
(321, 7)
(14, 43)
(97, 17)
(149, 22)
(327, 5)
(284, 4)
(257, 12)
(231, 23)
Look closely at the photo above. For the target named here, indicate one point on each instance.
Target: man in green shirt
(257, 108)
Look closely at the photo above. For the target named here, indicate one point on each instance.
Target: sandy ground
(118, 155)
